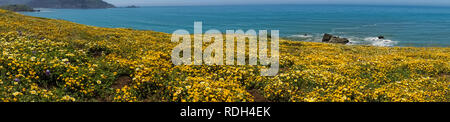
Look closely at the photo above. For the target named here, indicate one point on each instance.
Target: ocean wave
(354, 40)
(301, 36)
(374, 41)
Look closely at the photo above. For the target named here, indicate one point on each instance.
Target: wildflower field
(48, 60)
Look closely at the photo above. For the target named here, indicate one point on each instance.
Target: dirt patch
(257, 96)
(446, 77)
(121, 82)
(98, 51)
(153, 98)
(108, 98)
(96, 54)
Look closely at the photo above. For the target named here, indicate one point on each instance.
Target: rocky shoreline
(328, 38)
(334, 39)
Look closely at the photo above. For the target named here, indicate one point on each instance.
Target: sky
(238, 2)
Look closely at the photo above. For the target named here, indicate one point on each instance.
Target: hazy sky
(228, 2)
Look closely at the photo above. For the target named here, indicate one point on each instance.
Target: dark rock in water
(339, 40)
(333, 39)
(380, 37)
(327, 37)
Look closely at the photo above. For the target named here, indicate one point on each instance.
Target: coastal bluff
(18, 8)
(334, 39)
(81, 4)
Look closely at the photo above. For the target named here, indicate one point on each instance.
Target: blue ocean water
(401, 25)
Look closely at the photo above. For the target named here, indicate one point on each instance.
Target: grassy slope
(55, 60)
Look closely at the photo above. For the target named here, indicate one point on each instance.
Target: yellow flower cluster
(196, 89)
(124, 95)
(46, 60)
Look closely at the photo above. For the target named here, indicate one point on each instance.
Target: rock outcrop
(334, 39)
(327, 37)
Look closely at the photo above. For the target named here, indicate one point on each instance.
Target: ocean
(402, 26)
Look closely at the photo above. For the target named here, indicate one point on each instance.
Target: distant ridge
(17, 8)
(85, 4)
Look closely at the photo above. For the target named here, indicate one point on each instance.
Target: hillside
(17, 8)
(86, 4)
(55, 60)
(11, 2)
(70, 4)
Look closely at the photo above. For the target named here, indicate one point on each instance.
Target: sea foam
(374, 41)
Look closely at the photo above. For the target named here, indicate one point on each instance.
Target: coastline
(315, 38)
(359, 27)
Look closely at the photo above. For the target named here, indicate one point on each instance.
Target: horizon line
(337, 4)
